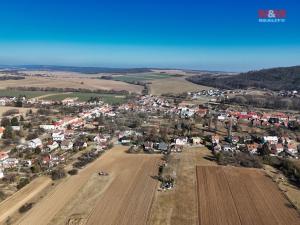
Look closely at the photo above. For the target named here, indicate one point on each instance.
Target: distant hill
(87, 70)
(282, 78)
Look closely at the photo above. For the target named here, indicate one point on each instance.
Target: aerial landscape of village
(138, 151)
(136, 112)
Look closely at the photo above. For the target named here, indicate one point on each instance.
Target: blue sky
(207, 34)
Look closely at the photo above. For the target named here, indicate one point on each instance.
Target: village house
(80, 145)
(3, 156)
(46, 158)
(228, 148)
(196, 140)
(66, 145)
(181, 141)
(89, 126)
(291, 148)
(246, 139)
(148, 146)
(270, 139)
(68, 101)
(16, 128)
(47, 126)
(69, 134)
(10, 163)
(216, 147)
(2, 129)
(201, 112)
(222, 117)
(252, 148)
(215, 139)
(186, 112)
(277, 148)
(125, 141)
(2, 102)
(52, 146)
(34, 143)
(58, 136)
(100, 139)
(46, 102)
(26, 163)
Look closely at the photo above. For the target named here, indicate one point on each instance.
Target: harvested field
(123, 197)
(11, 205)
(174, 85)
(4, 109)
(127, 201)
(228, 195)
(71, 82)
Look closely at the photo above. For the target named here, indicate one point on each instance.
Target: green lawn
(107, 98)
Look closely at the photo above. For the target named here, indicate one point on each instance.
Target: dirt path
(12, 204)
(127, 175)
(179, 206)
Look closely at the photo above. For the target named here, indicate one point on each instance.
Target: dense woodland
(283, 78)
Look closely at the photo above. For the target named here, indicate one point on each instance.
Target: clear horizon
(203, 35)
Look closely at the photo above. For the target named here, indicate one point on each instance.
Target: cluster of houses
(7, 100)
(64, 136)
(36, 102)
(260, 119)
(207, 93)
(281, 146)
(176, 145)
(64, 133)
(290, 94)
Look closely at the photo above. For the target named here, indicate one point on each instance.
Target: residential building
(66, 145)
(58, 136)
(252, 148)
(34, 143)
(270, 139)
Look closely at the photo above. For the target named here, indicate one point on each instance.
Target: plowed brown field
(123, 197)
(129, 197)
(228, 195)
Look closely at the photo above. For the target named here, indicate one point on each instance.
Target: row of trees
(271, 102)
(81, 90)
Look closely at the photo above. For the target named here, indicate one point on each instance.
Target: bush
(11, 112)
(238, 159)
(2, 195)
(22, 183)
(73, 172)
(58, 174)
(24, 208)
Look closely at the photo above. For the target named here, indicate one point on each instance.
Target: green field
(107, 98)
(141, 77)
(28, 94)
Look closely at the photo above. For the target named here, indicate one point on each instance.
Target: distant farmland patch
(107, 98)
(52, 95)
(131, 78)
(28, 94)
